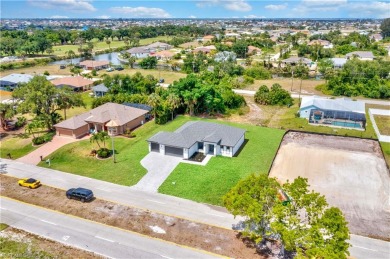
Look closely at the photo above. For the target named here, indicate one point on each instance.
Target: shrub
(276, 96)
(103, 152)
(46, 73)
(257, 73)
(38, 140)
(48, 136)
(20, 122)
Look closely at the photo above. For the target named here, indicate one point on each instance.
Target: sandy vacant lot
(350, 172)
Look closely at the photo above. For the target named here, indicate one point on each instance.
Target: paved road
(296, 95)
(159, 167)
(212, 215)
(208, 214)
(87, 235)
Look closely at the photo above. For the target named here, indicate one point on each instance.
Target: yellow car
(29, 182)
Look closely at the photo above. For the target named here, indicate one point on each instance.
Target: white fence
(372, 112)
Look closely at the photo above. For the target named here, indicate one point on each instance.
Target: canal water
(111, 57)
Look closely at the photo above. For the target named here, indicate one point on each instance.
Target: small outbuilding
(198, 136)
(99, 90)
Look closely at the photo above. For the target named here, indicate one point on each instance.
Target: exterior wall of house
(226, 151)
(191, 151)
(238, 145)
(134, 123)
(305, 112)
(140, 55)
(76, 133)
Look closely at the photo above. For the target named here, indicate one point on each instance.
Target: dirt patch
(180, 231)
(350, 172)
(40, 244)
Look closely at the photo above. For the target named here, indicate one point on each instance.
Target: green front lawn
(74, 158)
(17, 146)
(209, 183)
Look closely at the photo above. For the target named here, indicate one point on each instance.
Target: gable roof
(73, 123)
(139, 50)
(159, 45)
(100, 88)
(139, 106)
(94, 63)
(199, 131)
(340, 104)
(297, 60)
(15, 79)
(361, 54)
(72, 81)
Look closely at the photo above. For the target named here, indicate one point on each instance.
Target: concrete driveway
(159, 167)
(34, 157)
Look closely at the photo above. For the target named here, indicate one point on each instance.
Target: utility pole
(292, 79)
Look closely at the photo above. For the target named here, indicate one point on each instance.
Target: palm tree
(154, 100)
(101, 136)
(173, 102)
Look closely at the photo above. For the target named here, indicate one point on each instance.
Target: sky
(106, 9)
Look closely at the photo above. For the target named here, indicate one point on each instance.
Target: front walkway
(159, 167)
(34, 157)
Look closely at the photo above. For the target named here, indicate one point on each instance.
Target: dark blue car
(80, 194)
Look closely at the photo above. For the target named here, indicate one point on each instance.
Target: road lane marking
(156, 201)
(164, 256)
(48, 222)
(365, 248)
(215, 215)
(102, 238)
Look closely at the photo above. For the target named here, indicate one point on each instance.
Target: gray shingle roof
(340, 104)
(199, 131)
(17, 78)
(361, 54)
(100, 88)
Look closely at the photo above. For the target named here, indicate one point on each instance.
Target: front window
(112, 131)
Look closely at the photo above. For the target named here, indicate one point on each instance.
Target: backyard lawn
(209, 183)
(18, 146)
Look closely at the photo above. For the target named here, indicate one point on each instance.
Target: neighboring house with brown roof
(111, 117)
(94, 64)
(164, 54)
(252, 50)
(78, 83)
(324, 43)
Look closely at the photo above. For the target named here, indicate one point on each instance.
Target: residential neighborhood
(194, 129)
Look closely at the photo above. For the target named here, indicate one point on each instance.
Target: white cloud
(233, 5)
(59, 17)
(141, 12)
(192, 16)
(276, 7)
(69, 5)
(369, 9)
(252, 16)
(309, 3)
(103, 17)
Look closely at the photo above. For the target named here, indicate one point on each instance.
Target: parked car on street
(29, 182)
(80, 194)
(110, 69)
(119, 68)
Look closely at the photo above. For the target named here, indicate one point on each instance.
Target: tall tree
(7, 111)
(299, 218)
(173, 102)
(42, 98)
(385, 27)
(154, 100)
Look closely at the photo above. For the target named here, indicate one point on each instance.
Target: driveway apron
(159, 167)
(34, 157)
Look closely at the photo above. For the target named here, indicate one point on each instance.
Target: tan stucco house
(111, 117)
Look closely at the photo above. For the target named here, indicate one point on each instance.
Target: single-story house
(362, 55)
(94, 64)
(13, 80)
(339, 62)
(252, 50)
(111, 117)
(78, 83)
(324, 43)
(202, 49)
(296, 60)
(198, 136)
(164, 55)
(99, 90)
(376, 37)
(159, 46)
(341, 112)
(140, 52)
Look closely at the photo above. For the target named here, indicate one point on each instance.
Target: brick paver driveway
(58, 141)
(159, 167)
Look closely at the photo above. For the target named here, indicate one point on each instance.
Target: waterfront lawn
(75, 157)
(209, 183)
